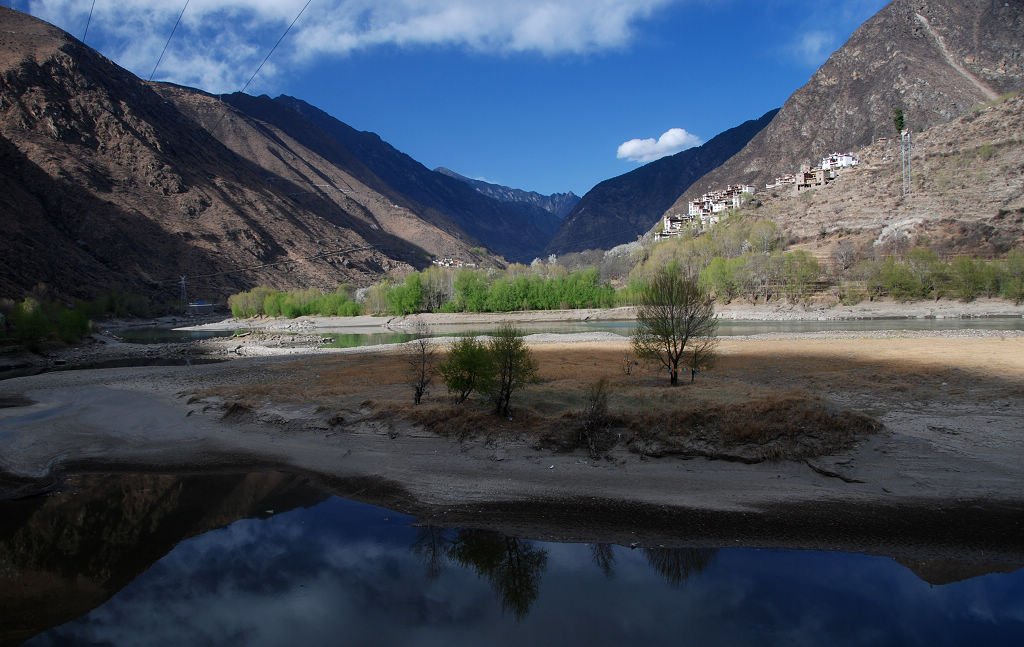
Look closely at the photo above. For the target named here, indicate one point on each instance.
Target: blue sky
(543, 95)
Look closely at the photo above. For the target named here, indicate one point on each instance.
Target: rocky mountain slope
(967, 193)
(502, 226)
(557, 204)
(618, 210)
(933, 59)
(111, 183)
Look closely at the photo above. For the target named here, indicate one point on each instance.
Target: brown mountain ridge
(935, 60)
(111, 183)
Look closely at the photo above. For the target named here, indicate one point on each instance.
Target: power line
(267, 58)
(89, 21)
(173, 29)
(275, 46)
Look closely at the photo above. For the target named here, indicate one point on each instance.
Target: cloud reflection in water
(346, 573)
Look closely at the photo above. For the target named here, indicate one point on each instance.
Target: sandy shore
(780, 311)
(952, 404)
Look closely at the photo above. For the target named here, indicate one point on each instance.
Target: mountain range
(624, 207)
(558, 204)
(111, 183)
(934, 60)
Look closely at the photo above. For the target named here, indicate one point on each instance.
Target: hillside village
(707, 209)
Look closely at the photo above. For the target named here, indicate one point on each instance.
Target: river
(318, 569)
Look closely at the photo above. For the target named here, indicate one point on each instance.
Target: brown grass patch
(764, 399)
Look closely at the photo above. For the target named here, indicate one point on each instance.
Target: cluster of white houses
(820, 175)
(452, 262)
(708, 208)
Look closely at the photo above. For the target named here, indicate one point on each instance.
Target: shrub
(468, 366)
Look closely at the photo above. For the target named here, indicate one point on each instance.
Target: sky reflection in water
(347, 573)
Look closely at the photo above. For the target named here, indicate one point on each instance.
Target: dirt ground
(951, 405)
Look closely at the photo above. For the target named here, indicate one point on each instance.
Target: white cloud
(671, 141)
(813, 47)
(219, 43)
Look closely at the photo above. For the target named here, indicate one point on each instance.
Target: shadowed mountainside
(63, 555)
(111, 183)
(559, 204)
(618, 210)
(501, 226)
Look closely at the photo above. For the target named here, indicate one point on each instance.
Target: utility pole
(184, 296)
(905, 146)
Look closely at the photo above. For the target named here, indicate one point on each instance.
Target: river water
(726, 327)
(323, 570)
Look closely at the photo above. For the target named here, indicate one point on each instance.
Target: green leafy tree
(800, 270)
(470, 291)
(467, 367)
(673, 310)
(898, 120)
(513, 366)
(406, 298)
(967, 277)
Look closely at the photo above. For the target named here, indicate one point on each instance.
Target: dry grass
(764, 399)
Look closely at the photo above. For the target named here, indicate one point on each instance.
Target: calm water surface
(726, 327)
(344, 573)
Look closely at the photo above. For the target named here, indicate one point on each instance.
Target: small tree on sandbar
(674, 311)
(466, 368)
(421, 356)
(513, 366)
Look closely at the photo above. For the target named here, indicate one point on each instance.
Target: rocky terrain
(967, 193)
(559, 204)
(624, 207)
(517, 230)
(935, 60)
(110, 183)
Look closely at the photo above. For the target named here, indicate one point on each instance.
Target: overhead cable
(173, 29)
(89, 21)
(272, 49)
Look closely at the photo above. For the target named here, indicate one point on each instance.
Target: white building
(838, 161)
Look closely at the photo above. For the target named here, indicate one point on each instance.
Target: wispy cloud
(820, 33)
(814, 46)
(671, 141)
(220, 42)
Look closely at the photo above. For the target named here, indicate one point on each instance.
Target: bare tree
(421, 356)
(702, 354)
(674, 310)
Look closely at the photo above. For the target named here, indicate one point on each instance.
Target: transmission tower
(905, 145)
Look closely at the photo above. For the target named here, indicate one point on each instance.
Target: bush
(468, 366)
(513, 367)
(800, 270)
(274, 303)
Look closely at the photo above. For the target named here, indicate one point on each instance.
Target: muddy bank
(942, 477)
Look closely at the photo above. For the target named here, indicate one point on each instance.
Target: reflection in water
(340, 572)
(513, 566)
(431, 545)
(677, 565)
(603, 558)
